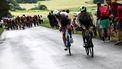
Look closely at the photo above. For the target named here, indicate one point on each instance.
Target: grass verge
(1, 30)
(46, 24)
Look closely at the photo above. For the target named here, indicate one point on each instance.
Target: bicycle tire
(91, 51)
(89, 45)
(87, 51)
(68, 43)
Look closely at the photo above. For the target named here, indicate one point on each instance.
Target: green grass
(28, 6)
(1, 30)
(30, 12)
(62, 4)
(73, 5)
(58, 4)
(45, 24)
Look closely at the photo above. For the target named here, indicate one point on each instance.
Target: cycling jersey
(84, 19)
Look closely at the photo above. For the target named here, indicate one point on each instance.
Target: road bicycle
(88, 44)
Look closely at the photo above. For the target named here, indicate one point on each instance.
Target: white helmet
(83, 8)
(55, 12)
(64, 14)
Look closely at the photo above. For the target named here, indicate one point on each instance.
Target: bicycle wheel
(68, 43)
(87, 50)
(91, 51)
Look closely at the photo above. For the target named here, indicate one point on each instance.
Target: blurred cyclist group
(20, 22)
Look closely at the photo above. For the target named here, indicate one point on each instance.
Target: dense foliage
(26, 1)
(4, 8)
(14, 5)
(40, 7)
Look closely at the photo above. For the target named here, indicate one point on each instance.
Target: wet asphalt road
(42, 48)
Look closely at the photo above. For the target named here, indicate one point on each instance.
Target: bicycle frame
(88, 43)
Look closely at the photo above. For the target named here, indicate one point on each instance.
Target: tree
(4, 8)
(19, 1)
(14, 4)
(26, 1)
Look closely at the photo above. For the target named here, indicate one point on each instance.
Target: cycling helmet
(64, 14)
(83, 8)
(55, 12)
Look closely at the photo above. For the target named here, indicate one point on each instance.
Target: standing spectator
(113, 8)
(40, 19)
(119, 26)
(116, 17)
(98, 19)
(50, 18)
(53, 20)
(105, 22)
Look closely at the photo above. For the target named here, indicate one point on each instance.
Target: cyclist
(65, 23)
(84, 21)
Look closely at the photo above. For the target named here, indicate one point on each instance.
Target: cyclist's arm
(79, 24)
(77, 21)
(59, 23)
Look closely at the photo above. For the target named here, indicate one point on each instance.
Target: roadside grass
(45, 23)
(58, 4)
(1, 30)
(28, 6)
(55, 4)
(30, 12)
(62, 4)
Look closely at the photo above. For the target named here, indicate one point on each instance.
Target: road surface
(42, 48)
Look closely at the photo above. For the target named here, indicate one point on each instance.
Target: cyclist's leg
(83, 36)
(69, 30)
(63, 37)
(91, 31)
(69, 27)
